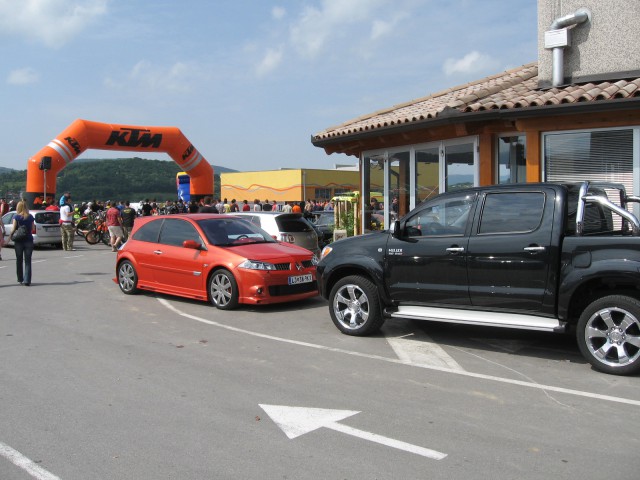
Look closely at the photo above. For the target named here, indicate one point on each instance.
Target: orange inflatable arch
(83, 134)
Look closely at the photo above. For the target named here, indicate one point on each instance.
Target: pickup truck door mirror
(396, 230)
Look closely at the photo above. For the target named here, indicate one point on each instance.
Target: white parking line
(480, 376)
(25, 463)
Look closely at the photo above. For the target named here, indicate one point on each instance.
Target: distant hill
(105, 179)
(216, 168)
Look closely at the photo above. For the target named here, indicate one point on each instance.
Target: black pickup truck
(543, 256)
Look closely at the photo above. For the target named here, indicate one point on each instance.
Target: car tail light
(33, 229)
(286, 237)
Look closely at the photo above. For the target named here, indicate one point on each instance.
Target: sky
(247, 82)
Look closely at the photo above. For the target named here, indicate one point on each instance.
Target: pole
(304, 185)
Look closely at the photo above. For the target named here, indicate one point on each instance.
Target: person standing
(287, 208)
(114, 224)
(66, 198)
(207, 207)
(128, 215)
(146, 208)
(2, 232)
(4, 207)
(23, 248)
(67, 229)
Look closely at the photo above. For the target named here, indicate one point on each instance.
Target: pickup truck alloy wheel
(223, 290)
(609, 334)
(127, 277)
(355, 306)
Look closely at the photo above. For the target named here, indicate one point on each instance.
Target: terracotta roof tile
(513, 89)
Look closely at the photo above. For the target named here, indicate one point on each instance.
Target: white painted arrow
(296, 421)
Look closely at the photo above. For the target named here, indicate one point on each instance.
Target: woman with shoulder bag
(24, 247)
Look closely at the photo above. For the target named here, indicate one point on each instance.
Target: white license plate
(300, 279)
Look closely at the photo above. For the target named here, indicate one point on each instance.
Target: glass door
(398, 193)
(460, 166)
(372, 195)
(427, 176)
(512, 158)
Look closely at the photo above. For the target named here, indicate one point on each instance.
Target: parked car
(325, 224)
(549, 257)
(220, 258)
(46, 227)
(286, 227)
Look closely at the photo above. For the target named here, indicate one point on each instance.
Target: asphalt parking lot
(99, 385)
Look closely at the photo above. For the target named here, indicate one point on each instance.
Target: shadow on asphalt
(526, 343)
(305, 304)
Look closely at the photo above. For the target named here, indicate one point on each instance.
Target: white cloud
(270, 62)
(52, 22)
(144, 74)
(278, 12)
(472, 62)
(381, 28)
(23, 76)
(316, 26)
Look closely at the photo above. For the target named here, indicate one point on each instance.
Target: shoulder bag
(19, 234)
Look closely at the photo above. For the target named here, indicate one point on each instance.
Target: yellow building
(293, 185)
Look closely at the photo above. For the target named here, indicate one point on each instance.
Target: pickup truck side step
(474, 317)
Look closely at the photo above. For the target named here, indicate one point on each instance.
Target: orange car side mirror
(191, 244)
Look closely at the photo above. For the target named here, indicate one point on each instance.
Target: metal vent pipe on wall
(557, 38)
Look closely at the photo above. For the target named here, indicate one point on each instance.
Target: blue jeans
(23, 255)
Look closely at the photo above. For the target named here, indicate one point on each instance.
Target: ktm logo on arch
(134, 137)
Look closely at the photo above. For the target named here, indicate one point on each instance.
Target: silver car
(46, 227)
(285, 227)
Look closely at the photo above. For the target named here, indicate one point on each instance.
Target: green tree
(131, 179)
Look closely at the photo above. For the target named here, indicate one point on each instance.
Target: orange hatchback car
(219, 258)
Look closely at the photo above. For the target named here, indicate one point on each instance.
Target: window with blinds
(599, 155)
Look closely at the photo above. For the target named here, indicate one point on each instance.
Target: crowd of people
(207, 204)
(222, 205)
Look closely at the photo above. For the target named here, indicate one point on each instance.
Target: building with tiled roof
(573, 115)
